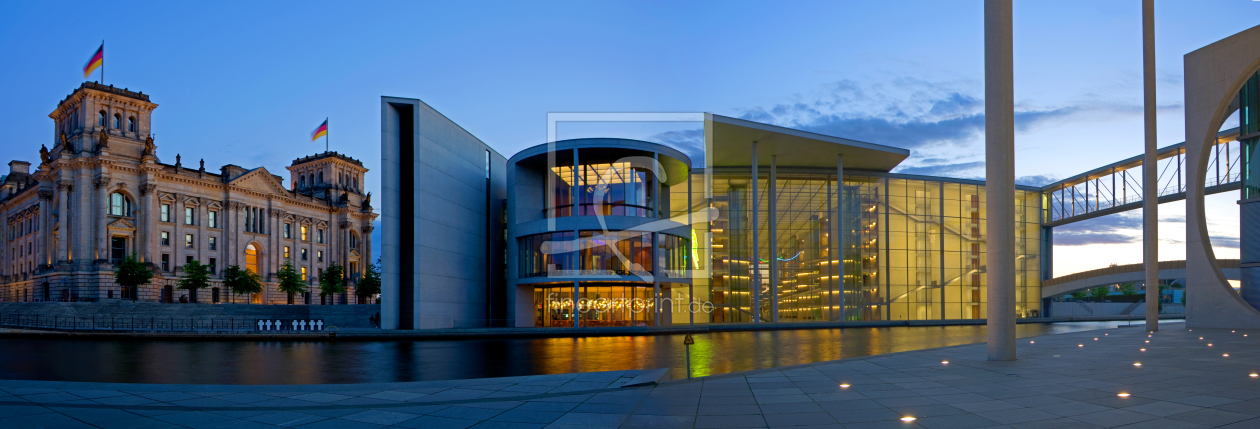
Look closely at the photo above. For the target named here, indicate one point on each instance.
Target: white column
(772, 257)
(999, 130)
(102, 222)
(1150, 189)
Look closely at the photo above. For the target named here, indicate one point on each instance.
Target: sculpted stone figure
(43, 152)
(149, 147)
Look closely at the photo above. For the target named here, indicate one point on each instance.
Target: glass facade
(1248, 126)
(609, 188)
(910, 249)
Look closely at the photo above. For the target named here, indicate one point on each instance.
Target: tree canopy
(290, 280)
(371, 282)
(131, 272)
(241, 281)
(331, 281)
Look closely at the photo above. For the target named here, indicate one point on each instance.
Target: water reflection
(247, 362)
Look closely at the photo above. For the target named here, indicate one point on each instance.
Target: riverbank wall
(341, 316)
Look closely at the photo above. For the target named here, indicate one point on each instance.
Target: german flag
(97, 59)
(321, 131)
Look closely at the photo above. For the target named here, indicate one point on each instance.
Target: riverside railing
(110, 323)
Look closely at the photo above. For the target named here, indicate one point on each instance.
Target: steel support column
(754, 262)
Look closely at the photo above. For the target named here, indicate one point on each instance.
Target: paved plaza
(1186, 379)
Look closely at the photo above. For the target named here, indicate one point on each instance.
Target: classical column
(999, 130)
(102, 222)
(1150, 189)
(63, 219)
(45, 227)
(83, 220)
(149, 235)
(177, 242)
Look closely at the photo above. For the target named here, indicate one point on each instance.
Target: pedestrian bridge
(1168, 270)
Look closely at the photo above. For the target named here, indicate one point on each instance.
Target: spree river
(319, 362)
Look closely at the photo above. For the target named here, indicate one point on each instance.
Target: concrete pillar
(754, 264)
(999, 129)
(101, 250)
(1150, 189)
(45, 227)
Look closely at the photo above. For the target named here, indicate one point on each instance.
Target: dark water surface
(266, 362)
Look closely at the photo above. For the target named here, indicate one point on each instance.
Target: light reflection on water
(251, 362)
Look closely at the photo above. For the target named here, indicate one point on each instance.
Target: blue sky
(245, 82)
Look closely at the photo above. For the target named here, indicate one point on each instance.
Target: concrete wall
(343, 316)
(457, 239)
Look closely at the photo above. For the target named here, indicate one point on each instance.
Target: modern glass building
(763, 232)
(772, 225)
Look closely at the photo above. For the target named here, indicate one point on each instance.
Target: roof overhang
(729, 143)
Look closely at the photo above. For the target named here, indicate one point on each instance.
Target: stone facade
(101, 193)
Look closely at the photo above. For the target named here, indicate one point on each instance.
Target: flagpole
(325, 134)
(102, 61)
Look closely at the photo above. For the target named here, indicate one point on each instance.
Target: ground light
(844, 386)
(945, 362)
(1032, 342)
(1080, 345)
(1143, 349)
(1254, 375)
(1137, 364)
(908, 419)
(1123, 395)
(1225, 355)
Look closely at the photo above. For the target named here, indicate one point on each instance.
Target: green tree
(371, 282)
(196, 276)
(1127, 289)
(240, 281)
(132, 273)
(290, 280)
(1100, 292)
(332, 280)
(1079, 295)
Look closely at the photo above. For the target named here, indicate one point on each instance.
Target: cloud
(1224, 241)
(948, 170)
(689, 142)
(1121, 228)
(1037, 180)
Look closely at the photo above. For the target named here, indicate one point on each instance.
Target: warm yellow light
(1255, 375)
(1123, 395)
(1032, 342)
(1209, 344)
(1080, 345)
(945, 362)
(1137, 364)
(1225, 355)
(908, 419)
(1095, 338)
(1143, 349)
(1148, 341)
(844, 386)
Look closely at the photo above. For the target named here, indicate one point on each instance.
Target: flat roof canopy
(729, 144)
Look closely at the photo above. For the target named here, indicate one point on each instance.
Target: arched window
(100, 120)
(119, 205)
(251, 259)
(356, 182)
(131, 124)
(117, 121)
(354, 240)
(301, 182)
(321, 177)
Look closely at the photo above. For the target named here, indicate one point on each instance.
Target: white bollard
(321, 325)
(260, 325)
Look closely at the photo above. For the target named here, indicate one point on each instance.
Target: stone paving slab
(1078, 380)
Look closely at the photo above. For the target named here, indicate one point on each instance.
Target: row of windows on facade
(120, 205)
(132, 124)
(22, 228)
(346, 180)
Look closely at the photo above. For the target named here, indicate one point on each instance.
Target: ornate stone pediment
(167, 198)
(122, 225)
(354, 253)
(321, 224)
(215, 205)
(259, 180)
